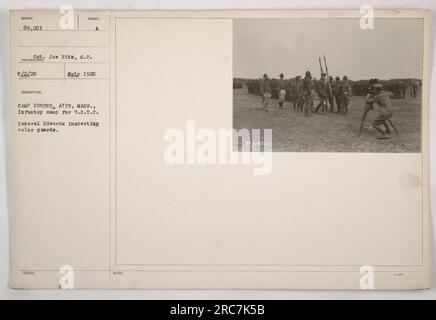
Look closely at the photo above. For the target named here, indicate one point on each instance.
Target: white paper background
(6, 293)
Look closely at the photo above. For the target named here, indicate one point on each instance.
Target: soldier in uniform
(382, 98)
(308, 93)
(415, 87)
(337, 92)
(282, 90)
(293, 92)
(403, 89)
(314, 82)
(331, 95)
(345, 95)
(299, 93)
(322, 90)
(265, 91)
(274, 89)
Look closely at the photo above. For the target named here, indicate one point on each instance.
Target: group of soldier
(334, 94)
(400, 88)
(334, 97)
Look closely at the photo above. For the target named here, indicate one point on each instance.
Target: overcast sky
(292, 46)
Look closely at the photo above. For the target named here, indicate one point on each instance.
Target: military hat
(298, 77)
(308, 73)
(281, 75)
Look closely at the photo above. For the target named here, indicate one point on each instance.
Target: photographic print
(329, 85)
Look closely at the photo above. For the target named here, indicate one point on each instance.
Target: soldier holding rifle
(282, 90)
(322, 90)
(331, 94)
(308, 93)
(329, 85)
(299, 93)
(265, 91)
(345, 91)
(337, 92)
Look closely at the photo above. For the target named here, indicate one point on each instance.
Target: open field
(294, 132)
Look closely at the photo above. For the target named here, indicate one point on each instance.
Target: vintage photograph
(329, 85)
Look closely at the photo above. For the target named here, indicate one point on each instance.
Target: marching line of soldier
(402, 87)
(302, 92)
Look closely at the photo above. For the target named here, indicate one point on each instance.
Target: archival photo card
(140, 149)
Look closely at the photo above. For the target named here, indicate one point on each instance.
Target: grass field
(294, 132)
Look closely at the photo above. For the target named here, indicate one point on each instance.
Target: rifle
(328, 78)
